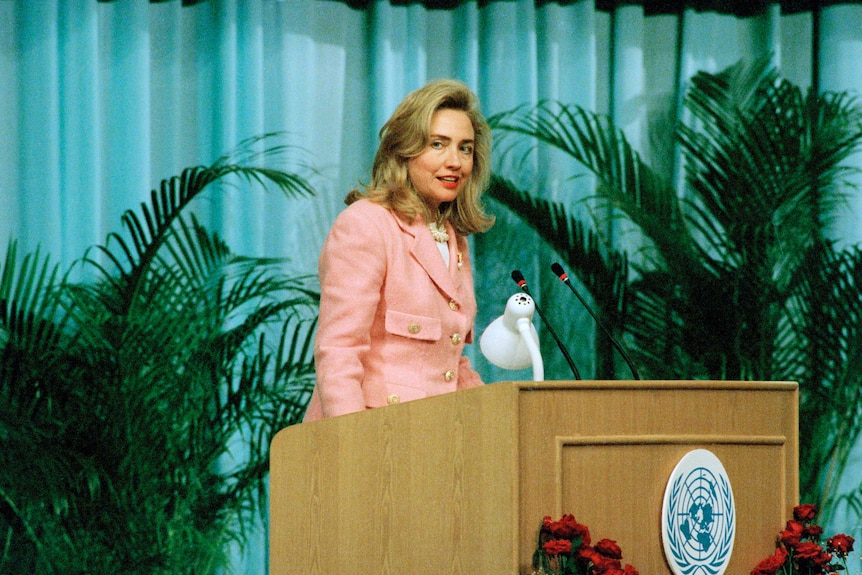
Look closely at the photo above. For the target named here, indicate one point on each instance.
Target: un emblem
(698, 516)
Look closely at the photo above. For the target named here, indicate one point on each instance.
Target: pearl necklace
(438, 232)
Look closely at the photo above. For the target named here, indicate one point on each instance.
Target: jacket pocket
(413, 326)
(391, 394)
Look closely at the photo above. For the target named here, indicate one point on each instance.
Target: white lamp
(511, 341)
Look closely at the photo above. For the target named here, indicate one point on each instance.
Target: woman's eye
(466, 149)
(437, 144)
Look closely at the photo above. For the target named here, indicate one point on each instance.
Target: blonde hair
(405, 135)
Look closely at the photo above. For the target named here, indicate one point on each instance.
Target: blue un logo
(698, 519)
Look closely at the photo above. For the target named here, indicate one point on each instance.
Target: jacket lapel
(424, 250)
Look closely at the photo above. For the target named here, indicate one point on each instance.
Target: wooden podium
(459, 483)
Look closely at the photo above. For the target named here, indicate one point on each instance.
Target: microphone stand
(558, 269)
(522, 283)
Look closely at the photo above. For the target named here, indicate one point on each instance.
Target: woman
(397, 303)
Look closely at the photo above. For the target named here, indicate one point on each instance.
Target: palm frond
(825, 316)
(150, 229)
(591, 139)
(28, 311)
(600, 268)
(738, 279)
(134, 387)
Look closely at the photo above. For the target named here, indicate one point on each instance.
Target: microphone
(522, 283)
(558, 269)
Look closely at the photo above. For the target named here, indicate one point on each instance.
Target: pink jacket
(393, 319)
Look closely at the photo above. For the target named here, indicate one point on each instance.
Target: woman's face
(442, 169)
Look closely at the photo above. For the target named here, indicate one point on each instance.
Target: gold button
(413, 328)
(449, 375)
(393, 399)
(456, 338)
(453, 305)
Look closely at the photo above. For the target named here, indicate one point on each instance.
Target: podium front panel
(604, 451)
(459, 483)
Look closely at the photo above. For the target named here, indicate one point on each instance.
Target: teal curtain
(99, 101)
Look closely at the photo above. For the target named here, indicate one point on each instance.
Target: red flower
(771, 564)
(584, 533)
(840, 544)
(801, 543)
(808, 551)
(823, 560)
(792, 535)
(557, 547)
(566, 528)
(609, 548)
(565, 548)
(589, 555)
(805, 512)
(606, 565)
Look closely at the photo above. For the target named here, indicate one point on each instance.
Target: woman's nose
(453, 157)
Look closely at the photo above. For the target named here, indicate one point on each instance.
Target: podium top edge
(510, 389)
(655, 384)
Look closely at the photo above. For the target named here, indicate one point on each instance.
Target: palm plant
(734, 276)
(121, 396)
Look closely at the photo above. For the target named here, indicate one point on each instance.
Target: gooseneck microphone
(558, 269)
(522, 283)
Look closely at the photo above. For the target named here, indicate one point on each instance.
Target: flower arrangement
(798, 550)
(563, 548)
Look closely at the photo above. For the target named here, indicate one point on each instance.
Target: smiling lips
(449, 182)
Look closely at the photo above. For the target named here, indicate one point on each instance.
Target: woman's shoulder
(366, 206)
(366, 210)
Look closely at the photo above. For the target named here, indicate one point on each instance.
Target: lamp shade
(511, 341)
